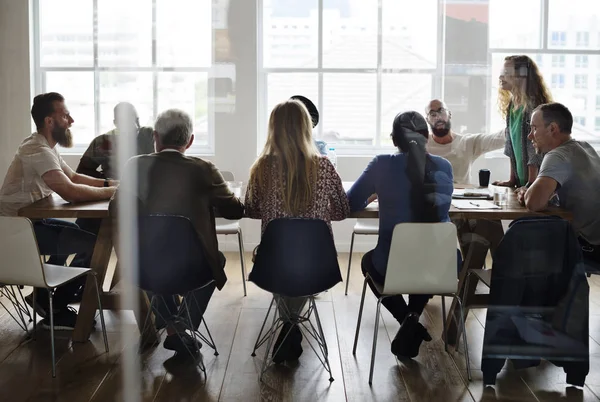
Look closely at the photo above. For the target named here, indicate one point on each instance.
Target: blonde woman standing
(522, 89)
(291, 180)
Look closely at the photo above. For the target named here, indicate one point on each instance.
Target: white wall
(236, 135)
(15, 121)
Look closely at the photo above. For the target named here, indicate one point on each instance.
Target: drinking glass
(235, 187)
(501, 196)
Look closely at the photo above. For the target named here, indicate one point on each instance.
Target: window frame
(562, 48)
(39, 77)
(345, 149)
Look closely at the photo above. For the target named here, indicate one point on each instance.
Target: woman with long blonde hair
(291, 180)
(522, 89)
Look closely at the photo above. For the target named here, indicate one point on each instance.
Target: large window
(363, 61)
(360, 61)
(557, 33)
(156, 54)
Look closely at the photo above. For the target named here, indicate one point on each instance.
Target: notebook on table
(472, 193)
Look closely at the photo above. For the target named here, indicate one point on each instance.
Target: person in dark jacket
(97, 161)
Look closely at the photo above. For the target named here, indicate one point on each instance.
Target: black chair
(296, 258)
(172, 263)
(538, 304)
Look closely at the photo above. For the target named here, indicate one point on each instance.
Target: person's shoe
(64, 320)
(182, 343)
(409, 337)
(39, 309)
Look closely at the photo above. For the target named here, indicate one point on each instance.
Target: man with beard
(102, 149)
(36, 172)
(460, 150)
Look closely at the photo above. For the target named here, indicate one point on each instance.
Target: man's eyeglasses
(441, 112)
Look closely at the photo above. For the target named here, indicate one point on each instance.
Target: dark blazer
(102, 150)
(175, 184)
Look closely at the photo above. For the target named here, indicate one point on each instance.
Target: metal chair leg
(51, 313)
(34, 315)
(322, 336)
(375, 341)
(360, 311)
(212, 342)
(270, 343)
(101, 313)
(258, 342)
(241, 247)
(349, 262)
(462, 319)
(444, 322)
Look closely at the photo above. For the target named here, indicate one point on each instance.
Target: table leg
(475, 242)
(99, 264)
(149, 336)
(116, 276)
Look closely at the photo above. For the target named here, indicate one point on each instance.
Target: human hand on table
(521, 194)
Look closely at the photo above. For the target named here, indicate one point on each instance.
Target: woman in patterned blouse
(291, 180)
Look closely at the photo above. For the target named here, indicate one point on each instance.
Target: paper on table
(474, 204)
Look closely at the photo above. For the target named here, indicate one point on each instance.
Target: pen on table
(472, 203)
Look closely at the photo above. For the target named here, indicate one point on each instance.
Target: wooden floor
(86, 373)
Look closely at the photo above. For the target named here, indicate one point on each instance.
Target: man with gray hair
(169, 182)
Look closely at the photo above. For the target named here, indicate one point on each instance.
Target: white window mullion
(379, 73)
(544, 15)
(154, 66)
(96, 72)
(320, 66)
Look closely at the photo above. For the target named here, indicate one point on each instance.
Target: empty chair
(23, 266)
(422, 260)
(172, 264)
(228, 227)
(296, 259)
(362, 227)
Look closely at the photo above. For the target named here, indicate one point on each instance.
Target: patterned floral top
(329, 200)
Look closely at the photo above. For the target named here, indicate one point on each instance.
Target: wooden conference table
(475, 243)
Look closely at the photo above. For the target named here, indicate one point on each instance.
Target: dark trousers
(395, 304)
(59, 239)
(196, 302)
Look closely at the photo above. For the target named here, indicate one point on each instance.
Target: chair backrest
(20, 258)
(296, 257)
(171, 257)
(422, 259)
(535, 262)
(227, 176)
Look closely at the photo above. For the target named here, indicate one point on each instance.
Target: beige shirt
(464, 150)
(23, 183)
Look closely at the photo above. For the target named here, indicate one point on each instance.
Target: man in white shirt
(461, 150)
(36, 172)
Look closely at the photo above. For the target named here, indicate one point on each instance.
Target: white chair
(422, 260)
(22, 265)
(362, 227)
(228, 227)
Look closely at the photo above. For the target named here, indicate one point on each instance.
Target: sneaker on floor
(64, 320)
(39, 309)
(182, 343)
